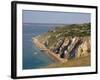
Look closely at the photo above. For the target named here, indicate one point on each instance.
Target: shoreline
(54, 56)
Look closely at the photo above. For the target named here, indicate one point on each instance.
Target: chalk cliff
(69, 41)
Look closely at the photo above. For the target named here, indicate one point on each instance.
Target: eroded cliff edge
(70, 42)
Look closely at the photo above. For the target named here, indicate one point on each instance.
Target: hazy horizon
(51, 17)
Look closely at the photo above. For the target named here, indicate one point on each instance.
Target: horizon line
(56, 23)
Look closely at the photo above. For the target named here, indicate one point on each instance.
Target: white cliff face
(72, 41)
(85, 48)
(75, 47)
(66, 41)
(70, 47)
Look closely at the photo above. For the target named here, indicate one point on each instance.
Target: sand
(54, 56)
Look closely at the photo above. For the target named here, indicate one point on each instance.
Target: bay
(32, 56)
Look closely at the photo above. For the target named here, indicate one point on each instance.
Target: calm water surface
(32, 56)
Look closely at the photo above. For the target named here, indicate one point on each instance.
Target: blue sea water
(32, 56)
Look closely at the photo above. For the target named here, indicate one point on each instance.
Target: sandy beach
(48, 51)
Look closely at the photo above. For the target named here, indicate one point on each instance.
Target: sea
(32, 57)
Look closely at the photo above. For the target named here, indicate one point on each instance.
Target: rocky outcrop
(75, 47)
(85, 48)
(70, 41)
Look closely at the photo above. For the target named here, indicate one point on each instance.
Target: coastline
(54, 56)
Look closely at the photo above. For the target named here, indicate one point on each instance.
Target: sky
(51, 17)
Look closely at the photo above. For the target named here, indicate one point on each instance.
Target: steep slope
(70, 42)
